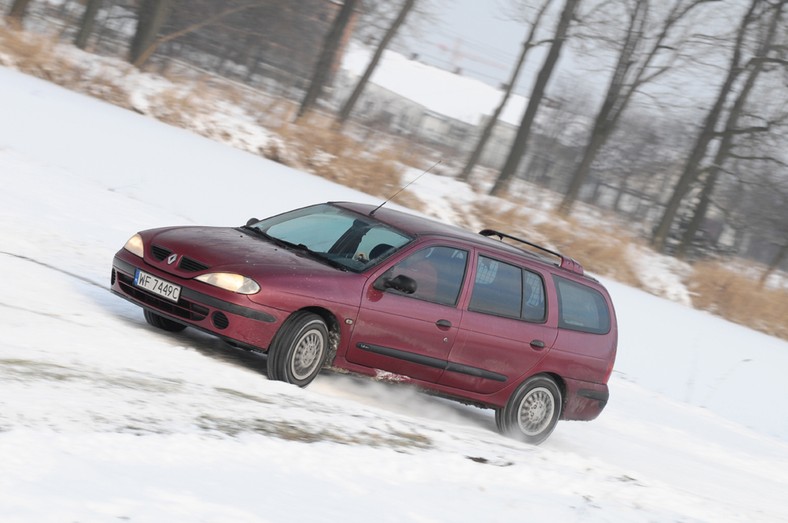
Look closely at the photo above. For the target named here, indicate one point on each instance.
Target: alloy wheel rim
(536, 411)
(306, 356)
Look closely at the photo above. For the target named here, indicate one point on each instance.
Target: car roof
(425, 227)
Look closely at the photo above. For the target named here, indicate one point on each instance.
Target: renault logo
(171, 259)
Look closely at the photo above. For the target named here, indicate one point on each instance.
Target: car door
(505, 331)
(412, 333)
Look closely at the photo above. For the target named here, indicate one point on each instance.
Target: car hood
(191, 251)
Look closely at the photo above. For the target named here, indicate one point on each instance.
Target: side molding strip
(432, 362)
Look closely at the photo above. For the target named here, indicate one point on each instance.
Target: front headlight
(134, 245)
(230, 282)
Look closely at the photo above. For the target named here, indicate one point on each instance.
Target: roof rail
(566, 262)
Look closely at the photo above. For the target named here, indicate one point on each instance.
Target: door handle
(443, 324)
(537, 344)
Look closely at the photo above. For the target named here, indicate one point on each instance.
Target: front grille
(183, 309)
(160, 252)
(186, 264)
(189, 265)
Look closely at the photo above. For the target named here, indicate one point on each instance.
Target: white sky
(475, 36)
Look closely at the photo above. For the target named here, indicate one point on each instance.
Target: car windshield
(334, 235)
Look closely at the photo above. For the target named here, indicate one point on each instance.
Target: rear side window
(534, 303)
(581, 308)
(506, 290)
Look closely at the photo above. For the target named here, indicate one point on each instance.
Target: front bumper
(231, 320)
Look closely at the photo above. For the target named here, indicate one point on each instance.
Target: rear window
(581, 308)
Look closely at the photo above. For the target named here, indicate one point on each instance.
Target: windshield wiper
(315, 255)
(266, 236)
(298, 247)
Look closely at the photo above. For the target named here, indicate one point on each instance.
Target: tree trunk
(473, 159)
(691, 167)
(778, 259)
(17, 11)
(86, 26)
(518, 148)
(723, 152)
(328, 56)
(704, 201)
(152, 15)
(344, 113)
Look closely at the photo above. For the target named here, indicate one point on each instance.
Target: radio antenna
(373, 211)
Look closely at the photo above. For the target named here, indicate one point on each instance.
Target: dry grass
(37, 55)
(739, 298)
(176, 106)
(601, 251)
(315, 145)
(27, 53)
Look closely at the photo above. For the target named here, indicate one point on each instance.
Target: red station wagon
(387, 294)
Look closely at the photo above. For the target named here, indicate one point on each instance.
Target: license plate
(157, 286)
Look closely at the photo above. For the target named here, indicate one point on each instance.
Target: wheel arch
(333, 329)
(508, 419)
(559, 382)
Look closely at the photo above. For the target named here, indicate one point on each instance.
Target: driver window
(437, 271)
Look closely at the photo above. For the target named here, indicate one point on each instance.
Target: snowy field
(104, 419)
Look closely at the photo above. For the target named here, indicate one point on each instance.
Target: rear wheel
(299, 349)
(532, 412)
(160, 322)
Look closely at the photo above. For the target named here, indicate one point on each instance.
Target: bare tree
(755, 67)
(634, 68)
(152, 14)
(347, 108)
(328, 55)
(276, 40)
(699, 150)
(779, 257)
(758, 199)
(487, 131)
(17, 11)
(520, 143)
(87, 23)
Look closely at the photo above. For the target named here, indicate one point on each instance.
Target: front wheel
(532, 412)
(299, 349)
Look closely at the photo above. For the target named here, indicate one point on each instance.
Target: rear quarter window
(581, 308)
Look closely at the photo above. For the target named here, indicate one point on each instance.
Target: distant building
(431, 105)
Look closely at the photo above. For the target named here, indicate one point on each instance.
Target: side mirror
(251, 221)
(401, 283)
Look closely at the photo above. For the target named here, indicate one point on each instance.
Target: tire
(160, 322)
(299, 349)
(532, 412)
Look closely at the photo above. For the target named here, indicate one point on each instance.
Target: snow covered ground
(105, 419)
